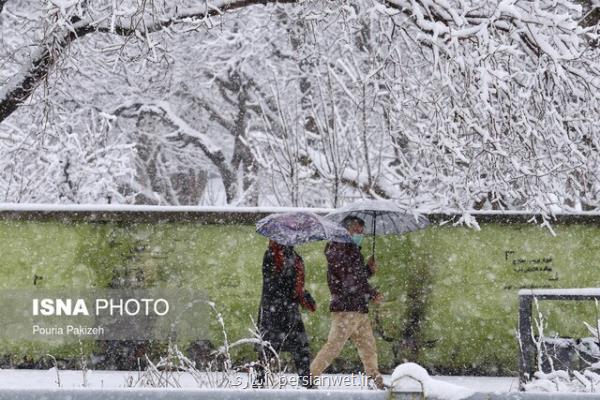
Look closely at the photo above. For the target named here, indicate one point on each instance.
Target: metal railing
(527, 348)
(200, 394)
(262, 394)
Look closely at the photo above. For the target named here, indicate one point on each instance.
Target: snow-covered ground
(46, 379)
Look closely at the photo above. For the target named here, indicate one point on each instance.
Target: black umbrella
(382, 217)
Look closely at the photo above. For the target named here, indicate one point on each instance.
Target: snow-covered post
(410, 380)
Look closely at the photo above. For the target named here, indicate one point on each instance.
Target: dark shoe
(260, 377)
(306, 381)
(377, 382)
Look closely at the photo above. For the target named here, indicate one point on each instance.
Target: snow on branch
(187, 135)
(545, 28)
(183, 131)
(74, 27)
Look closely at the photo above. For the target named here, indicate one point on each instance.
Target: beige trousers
(356, 327)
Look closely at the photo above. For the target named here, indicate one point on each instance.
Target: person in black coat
(279, 319)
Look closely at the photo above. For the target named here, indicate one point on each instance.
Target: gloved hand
(308, 302)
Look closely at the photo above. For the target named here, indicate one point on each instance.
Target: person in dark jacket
(279, 319)
(347, 276)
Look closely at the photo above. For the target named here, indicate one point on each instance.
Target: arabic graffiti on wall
(542, 269)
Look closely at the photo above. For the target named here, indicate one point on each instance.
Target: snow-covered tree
(444, 104)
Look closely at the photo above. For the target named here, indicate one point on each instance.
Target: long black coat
(279, 319)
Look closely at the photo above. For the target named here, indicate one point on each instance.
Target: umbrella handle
(373, 233)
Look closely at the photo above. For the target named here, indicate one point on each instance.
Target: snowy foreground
(47, 379)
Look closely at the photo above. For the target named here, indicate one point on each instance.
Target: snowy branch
(187, 135)
(20, 87)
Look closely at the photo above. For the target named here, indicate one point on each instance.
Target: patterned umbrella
(295, 228)
(382, 217)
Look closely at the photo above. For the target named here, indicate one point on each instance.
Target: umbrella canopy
(386, 215)
(295, 228)
(382, 217)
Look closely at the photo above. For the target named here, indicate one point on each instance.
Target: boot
(308, 382)
(378, 382)
(260, 377)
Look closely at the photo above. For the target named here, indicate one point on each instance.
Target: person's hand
(309, 302)
(378, 298)
(372, 265)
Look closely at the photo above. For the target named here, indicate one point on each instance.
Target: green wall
(450, 292)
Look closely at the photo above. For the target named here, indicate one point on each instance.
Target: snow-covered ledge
(558, 293)
(230, 214)
(148, 208)
(231, 208)
(143, 213)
